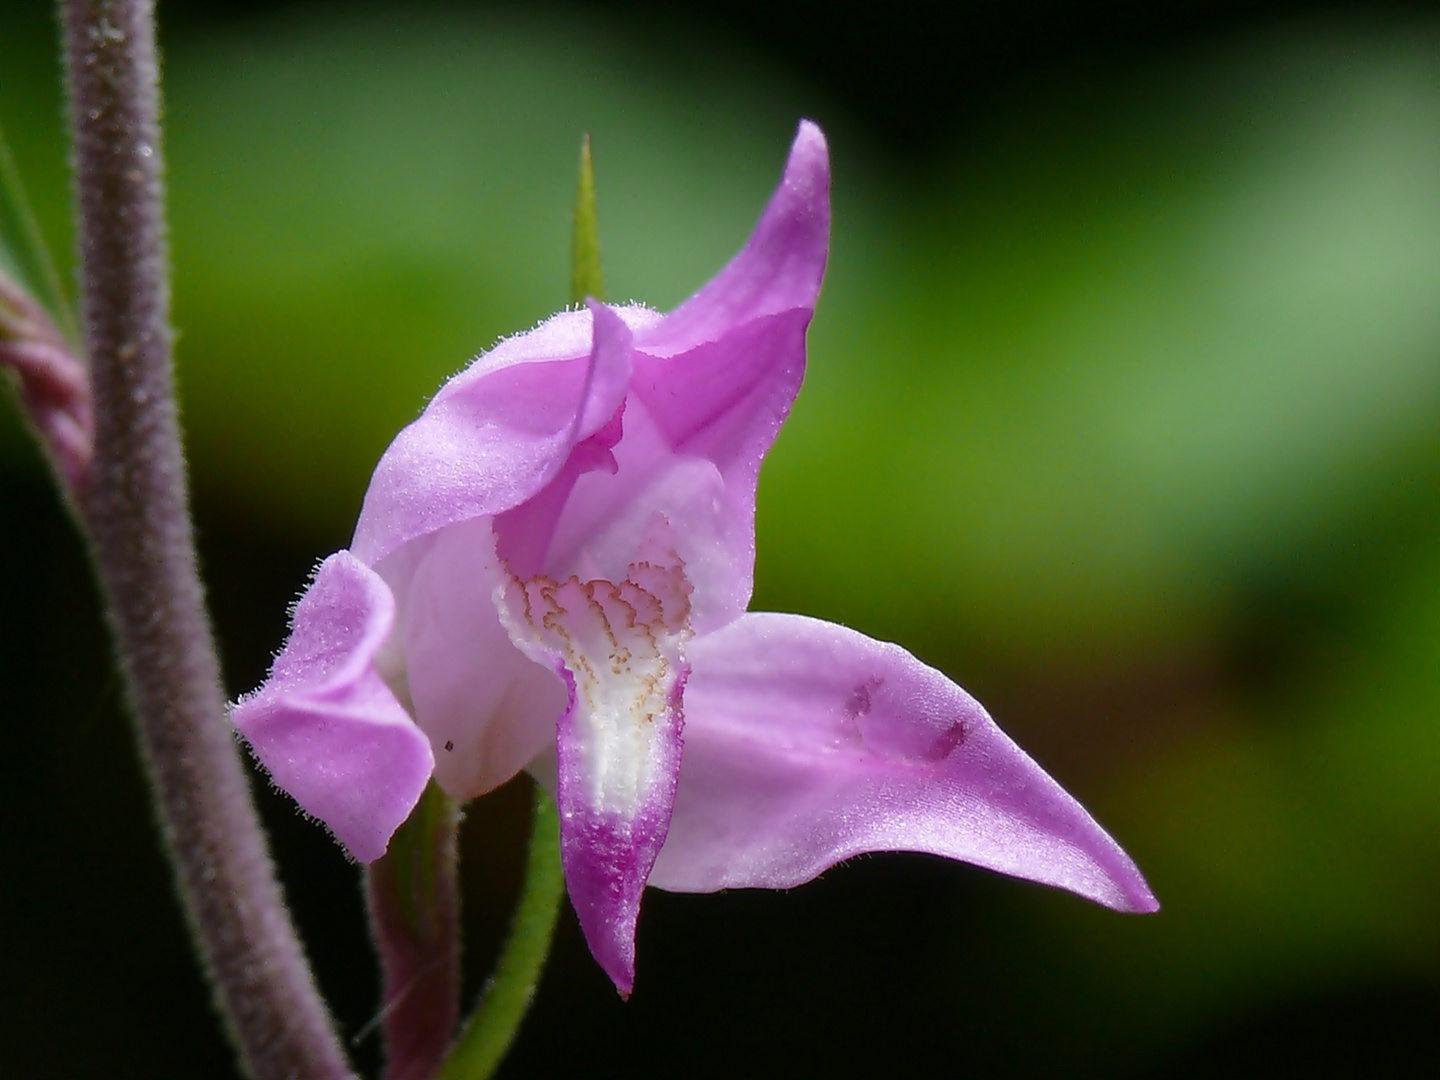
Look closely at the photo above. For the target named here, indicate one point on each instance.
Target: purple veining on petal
(326, 726)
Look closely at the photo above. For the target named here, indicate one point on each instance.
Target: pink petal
(712, 384)
(778, 270)
(487, 708)
(326, 726)
(807, 743)
(497, 433)
(609, 374)
(606, 513)
(524, 534)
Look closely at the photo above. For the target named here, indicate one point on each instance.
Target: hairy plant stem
(136, 509)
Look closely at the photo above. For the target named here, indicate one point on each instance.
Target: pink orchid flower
(551, 572)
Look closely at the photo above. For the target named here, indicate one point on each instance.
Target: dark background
(1210, 701)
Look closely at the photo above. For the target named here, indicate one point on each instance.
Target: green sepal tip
(586, 278)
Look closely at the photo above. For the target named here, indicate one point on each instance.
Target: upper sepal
(712, 384)
(778, 270)
(500, 431)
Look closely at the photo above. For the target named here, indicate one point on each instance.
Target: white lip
(623, 645)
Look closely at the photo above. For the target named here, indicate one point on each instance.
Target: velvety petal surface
(606, 513)
(487, 708)
(524, 534)
(778, 270)
(712, 384)
(497, 433)
(807, 743)
(620, 646)
(326, 726)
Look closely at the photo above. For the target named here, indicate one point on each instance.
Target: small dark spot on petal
(858, 704)
(449, 745)
(951, 738)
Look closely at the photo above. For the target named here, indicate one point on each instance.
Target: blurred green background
(1123, 408)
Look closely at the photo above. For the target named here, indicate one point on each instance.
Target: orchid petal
(807, 743)
(606, 514)
(326, 726)
(524, 534)
(564, 542)
(697, 462)
(778, 270)
(497, 433)
(713, 382)
(487, 708)
(620, 649)
(610, 368)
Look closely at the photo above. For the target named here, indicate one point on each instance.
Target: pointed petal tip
(624, 980)
(1127, 890)
(809, 151)
(766, 801)
(605, 878)
(1141, 901)
(807, 170)
(1115, 882)
(778, 270)
(611, 937)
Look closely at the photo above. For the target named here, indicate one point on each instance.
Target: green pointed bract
(586, 279)
(24, 258)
